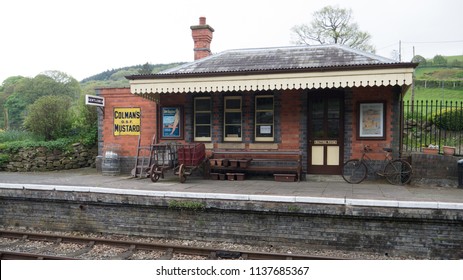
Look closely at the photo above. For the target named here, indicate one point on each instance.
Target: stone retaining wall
(397, 232)
(42, 159)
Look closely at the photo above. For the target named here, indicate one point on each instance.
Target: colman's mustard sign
(127, 121)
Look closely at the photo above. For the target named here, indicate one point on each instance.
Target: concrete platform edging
(244, 197)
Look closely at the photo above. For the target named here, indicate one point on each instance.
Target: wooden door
(325, 133)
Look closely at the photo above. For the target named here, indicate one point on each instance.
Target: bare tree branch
(332, 25)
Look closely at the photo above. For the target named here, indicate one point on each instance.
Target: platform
(316, 189)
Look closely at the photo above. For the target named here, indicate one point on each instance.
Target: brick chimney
(202, 37)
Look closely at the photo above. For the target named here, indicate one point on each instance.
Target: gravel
(109, 252)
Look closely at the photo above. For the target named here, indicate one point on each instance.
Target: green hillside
(116, 77)
(439, 78)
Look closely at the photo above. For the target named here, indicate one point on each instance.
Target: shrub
(63, 144)
(187, 205)
(449, 119)
(4, 159)
(17, 135)
(49, 117)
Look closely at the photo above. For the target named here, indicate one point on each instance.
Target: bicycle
(396, 171)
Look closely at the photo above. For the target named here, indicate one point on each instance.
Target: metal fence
(433, 123)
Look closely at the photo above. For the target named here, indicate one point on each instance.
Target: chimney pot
(202, 20)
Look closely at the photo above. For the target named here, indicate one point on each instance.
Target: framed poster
(171, 122)
(371, 120)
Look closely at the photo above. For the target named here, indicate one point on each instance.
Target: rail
(131, 247)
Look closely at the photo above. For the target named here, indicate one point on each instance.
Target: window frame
(202, 139)
(264, 139)
(225, 111)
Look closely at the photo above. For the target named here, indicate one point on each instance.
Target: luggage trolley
(183, 159)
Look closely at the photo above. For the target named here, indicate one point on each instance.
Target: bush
(449, 120)
(49, 117)
(4, 159)
(63, 144)
(17, 135)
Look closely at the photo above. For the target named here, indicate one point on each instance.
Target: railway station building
(322, 101)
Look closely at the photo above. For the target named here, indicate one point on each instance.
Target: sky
(86, 37)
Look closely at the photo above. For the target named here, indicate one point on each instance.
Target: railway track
(26, 245)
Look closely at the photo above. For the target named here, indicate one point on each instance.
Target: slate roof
(279, 59)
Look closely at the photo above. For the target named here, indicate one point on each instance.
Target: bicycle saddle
(389, 150)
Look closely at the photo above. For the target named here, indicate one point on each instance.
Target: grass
(439, 73)
(439, 94)
(17, 135)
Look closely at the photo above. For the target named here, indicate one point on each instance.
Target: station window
(232, 118)
(264, 123)
(203, 118)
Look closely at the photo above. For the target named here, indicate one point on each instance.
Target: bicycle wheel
(354, 171)
(398, 172)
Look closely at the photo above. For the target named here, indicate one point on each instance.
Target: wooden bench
(276, 162)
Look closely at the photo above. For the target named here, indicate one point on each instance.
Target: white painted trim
(281, 81)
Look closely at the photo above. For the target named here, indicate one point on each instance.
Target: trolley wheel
(181, 173)
(398, 172)
(354, 171)
(154, 174)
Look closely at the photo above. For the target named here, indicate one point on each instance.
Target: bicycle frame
(396, 171)
(370, 163)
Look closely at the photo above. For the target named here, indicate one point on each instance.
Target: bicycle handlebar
(367, 148)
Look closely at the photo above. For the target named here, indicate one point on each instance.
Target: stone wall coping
(243, 197)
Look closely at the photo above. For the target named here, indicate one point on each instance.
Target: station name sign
(94, 100)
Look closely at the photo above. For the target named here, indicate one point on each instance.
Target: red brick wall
(372, 94)
(121, 97)
(290, 119)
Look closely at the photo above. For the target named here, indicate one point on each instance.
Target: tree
(439, 60)
(419, 59)
(7, 88)
(49, 117)
(146, 69)
(27, 90)
(333, 25)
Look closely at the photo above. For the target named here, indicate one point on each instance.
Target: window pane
(264, 103)
(264, 117)
(264, 131)
(232, 131)
(233, 118)
(203, 131)
(203, 104)
(317, 109)
(333, 108)
(317, 128)
(203, 118)
(232, 104)
(333, 128)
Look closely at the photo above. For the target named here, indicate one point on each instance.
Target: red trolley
(182, 158)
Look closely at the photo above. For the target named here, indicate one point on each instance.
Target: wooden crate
(239, 176)
(235, 176)
(215, 176)
(234, 162)
(244, 163)
(285, 177)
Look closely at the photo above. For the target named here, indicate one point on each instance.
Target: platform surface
(316, 189)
